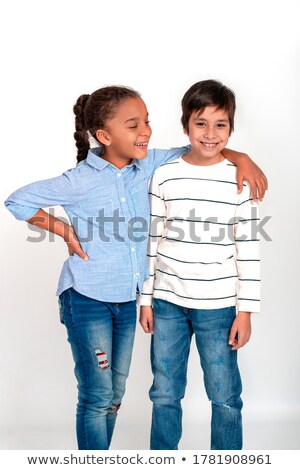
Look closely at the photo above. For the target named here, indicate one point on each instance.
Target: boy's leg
(124, 322)
(221, 375)
(170, 347)
(89, 325)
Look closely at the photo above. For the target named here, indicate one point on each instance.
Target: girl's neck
(115, 160)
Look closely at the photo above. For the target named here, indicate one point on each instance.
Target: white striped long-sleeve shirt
(203, 244)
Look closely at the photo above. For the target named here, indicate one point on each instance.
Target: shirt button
(137, 274)
(119, 174)
(123, 199)
(132, 249)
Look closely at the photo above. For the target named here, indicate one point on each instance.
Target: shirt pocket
(95, 206)
(140, 199)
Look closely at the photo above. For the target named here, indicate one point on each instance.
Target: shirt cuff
(145, 300)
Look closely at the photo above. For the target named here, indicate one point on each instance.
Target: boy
(204, 265)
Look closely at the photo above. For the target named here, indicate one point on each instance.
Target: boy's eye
(200, 124)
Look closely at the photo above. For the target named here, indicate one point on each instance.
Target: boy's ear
(103, 137)
(185, 131)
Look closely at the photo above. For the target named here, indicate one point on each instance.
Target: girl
(106, 199)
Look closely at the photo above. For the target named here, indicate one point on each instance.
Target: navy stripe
(203, 221)
(252, 300)
(193, 279)
(199, 243)
(248, 260)
(169, 163)
(196, 298)
(200, 179)
(205, 200)
(152, 194)
(159, 216)
(256, 280)
(187, 262)
(251, 240)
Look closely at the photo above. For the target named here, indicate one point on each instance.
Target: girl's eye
(133, 127)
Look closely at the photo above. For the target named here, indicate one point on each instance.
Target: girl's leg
(169, 356)
(124, 322)
(89, 325)
(221, 375)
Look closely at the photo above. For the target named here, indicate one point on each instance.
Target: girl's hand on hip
(73, 244)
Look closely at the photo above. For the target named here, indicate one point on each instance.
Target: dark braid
(80, 134)
(93, 111)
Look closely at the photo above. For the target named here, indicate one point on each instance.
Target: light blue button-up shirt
(109, 209)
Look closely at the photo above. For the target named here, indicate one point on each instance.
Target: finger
(261, 190)
(150, 323)
(239, 183)
(253, 189)
(240, 343)
(232, 336)
(81, 254)
(144, 324)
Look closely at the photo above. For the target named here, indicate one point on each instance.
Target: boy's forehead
(210, 111)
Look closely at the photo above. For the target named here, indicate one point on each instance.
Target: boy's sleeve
(248, 254)
(157, 226)
(26, 201)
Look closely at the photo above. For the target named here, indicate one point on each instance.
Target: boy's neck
(198, 160)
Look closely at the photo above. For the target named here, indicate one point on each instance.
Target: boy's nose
(210, 133)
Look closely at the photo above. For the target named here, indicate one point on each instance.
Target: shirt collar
(94, 159)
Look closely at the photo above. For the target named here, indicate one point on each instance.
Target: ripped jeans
(173, 329)
(101, 336)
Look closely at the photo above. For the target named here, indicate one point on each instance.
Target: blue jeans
(101, 336)
(173, 329)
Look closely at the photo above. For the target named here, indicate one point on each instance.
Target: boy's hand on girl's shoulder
(240, 331)
(73, 244)
(249, 171)
(146, 318)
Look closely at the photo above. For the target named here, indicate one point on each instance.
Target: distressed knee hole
(102, 359)
(219, 403)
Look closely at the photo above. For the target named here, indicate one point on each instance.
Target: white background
(52, 52)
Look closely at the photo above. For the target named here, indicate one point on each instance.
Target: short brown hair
(207, 93)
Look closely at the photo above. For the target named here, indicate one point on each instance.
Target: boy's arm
(249, 171)
(156, 229)
(248, 267)
(53, 224)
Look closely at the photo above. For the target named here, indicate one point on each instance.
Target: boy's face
(208, 134)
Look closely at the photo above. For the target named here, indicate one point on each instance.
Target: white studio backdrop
(52, 52)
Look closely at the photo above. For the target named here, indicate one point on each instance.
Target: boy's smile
(208, 134)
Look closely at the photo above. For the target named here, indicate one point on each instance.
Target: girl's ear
(103, 137)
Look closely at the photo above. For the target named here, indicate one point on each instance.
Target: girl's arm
(48, 222)
(249, 171)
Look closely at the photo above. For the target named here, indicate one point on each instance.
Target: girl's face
(127, 134)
